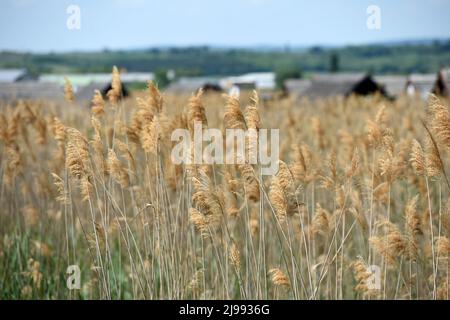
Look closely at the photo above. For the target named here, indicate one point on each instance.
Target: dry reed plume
(361, 182)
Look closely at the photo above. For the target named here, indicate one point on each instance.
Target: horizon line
(255, 46)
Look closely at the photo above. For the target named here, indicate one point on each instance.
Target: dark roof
(86, 93)
(212, 87)
(440, 86)
(327, 85)
(324, 85)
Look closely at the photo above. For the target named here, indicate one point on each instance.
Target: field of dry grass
(361, 182)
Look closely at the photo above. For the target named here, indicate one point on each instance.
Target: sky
(41, 25)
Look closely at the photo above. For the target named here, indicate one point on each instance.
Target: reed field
(361, 182)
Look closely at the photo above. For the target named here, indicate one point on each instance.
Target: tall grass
(361, 182)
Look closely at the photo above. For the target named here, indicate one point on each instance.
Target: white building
(88, 78)
(257, 80)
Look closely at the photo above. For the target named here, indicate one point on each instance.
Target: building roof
(86, 93)
(423, 77)
(323, 85)
(297, 86)
(260, 80)
(424, 82)
(12, 75)
(87, 78)
(188, 85)
(30, 90)
(393, 84)
(327, 85)
(344, 77)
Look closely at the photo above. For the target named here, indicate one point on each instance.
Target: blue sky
(40, 25)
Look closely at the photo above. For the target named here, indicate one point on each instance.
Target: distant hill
(421, 56)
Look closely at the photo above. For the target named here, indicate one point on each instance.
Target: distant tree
(334, 62)
(217, 61)
(316, 50)
(283, 74)
(161, 78)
